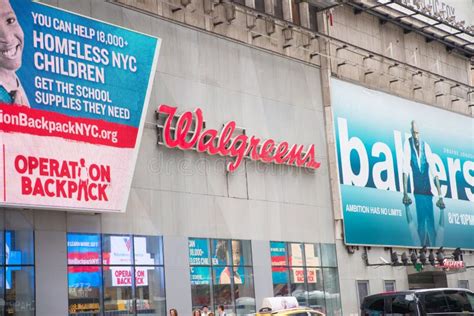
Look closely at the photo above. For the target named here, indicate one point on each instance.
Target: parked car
(420, 303)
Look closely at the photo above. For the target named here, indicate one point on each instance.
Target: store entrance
(427, 280)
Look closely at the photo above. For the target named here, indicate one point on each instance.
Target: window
(435, 302)
(295, 11)
(313, 21)
(401, 305)
(470, 298)
(241, 2)
(307, 272)
(463, 284)
(449, 301)
(362, 290)
(17, 272)
(458, 302)
(375, 307)
(331, 291)
(278, 8)
(115, 274)
(389, 286)
(221, 273)
(260, 5)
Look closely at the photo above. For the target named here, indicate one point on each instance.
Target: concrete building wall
(180, 194)
(183, 194)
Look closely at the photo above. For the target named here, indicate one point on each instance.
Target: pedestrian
(173, 312)
(221, 311)
(205, 311)
(197, 312)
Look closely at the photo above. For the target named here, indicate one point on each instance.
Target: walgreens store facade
(125, 187)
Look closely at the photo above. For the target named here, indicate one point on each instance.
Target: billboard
(73, 95)
(406, 170)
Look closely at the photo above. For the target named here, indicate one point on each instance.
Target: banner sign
(122, 276)
(406, 170)
(198, 251)
(200, 275)
(181, 135)
(83, 249)
(73, 95)
(278, 255)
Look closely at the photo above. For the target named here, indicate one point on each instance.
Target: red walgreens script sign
(223, 143)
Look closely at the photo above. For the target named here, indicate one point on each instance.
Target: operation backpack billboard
(73, 95)
(406, 170)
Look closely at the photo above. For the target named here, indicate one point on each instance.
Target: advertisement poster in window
(120, 250)
(83, 249)
(73, 95)
(296, 260)
(406, 177)
(198, 252)
(84, 283)
(221, 252)
(142, 257)
(200, 275)
(312, 259)
(297, 275)
(224, 275)
(296, 257)
(278, 256)
(311, 275)
(122, 276)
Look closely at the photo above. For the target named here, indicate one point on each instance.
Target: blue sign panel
(198, 251)
(406, 170)
(83, 249)
(78, 89)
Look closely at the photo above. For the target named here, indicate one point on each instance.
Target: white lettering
(383, 166)
(454, 165)
(347, 146)
(468, 172)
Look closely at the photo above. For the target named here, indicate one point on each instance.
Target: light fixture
(413, 257)
(431, 258)
(404, 258)
(440, 256)
(457, 254)
(394, 257)
(350, 249)
(423, 255)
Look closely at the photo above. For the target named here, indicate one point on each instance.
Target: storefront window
(17, 273)
(84, 274)
(84, 284)
(305, 271)
(328, 253)
(150, 291)
(222, 274)
(115, 275)
(332, 291)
